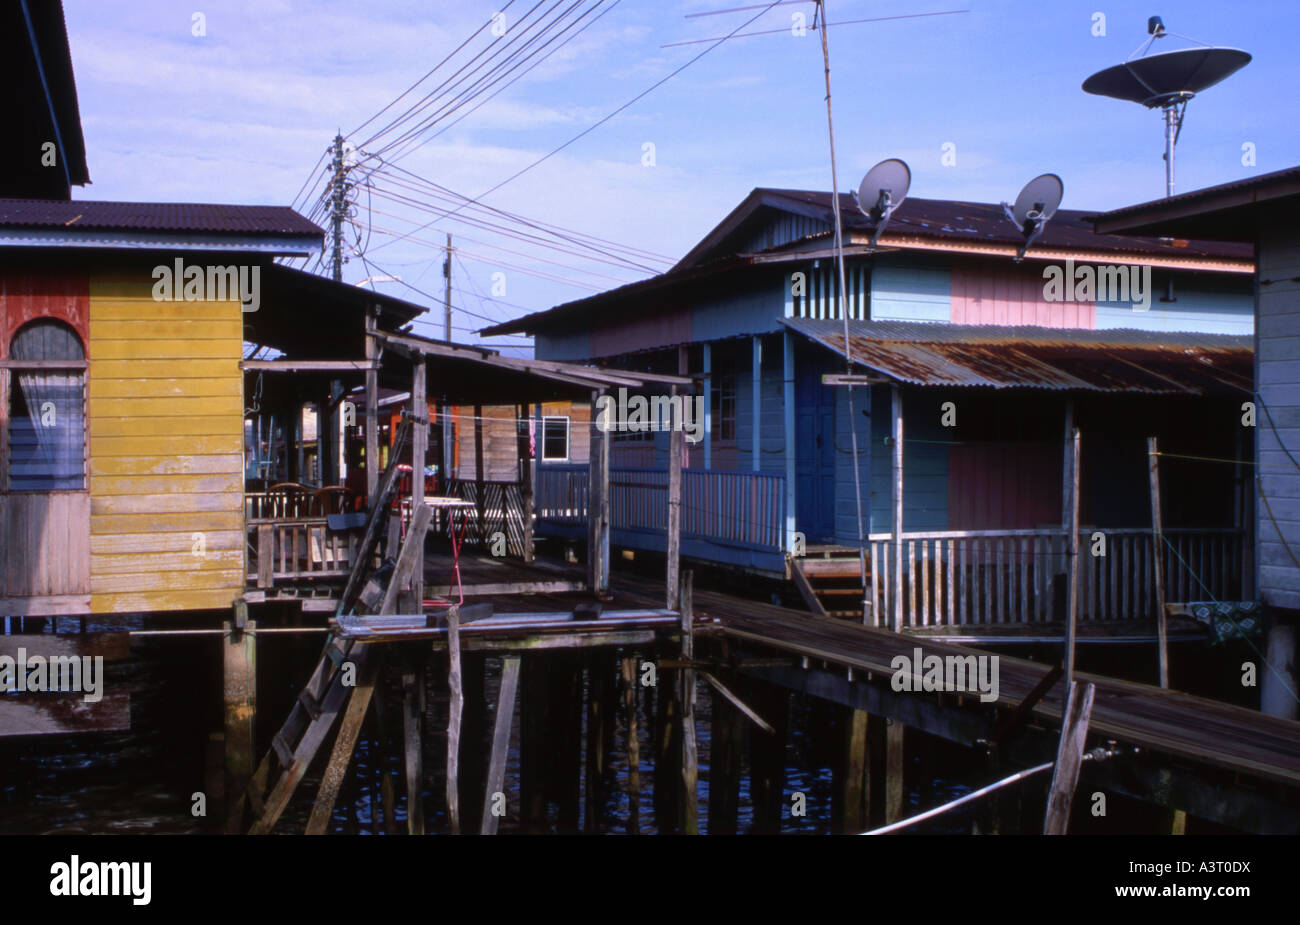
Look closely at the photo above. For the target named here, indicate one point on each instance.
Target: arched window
(47, 429)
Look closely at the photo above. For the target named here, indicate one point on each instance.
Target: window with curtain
(47, 430)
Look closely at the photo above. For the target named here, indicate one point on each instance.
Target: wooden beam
(674, 538)
(63, 714)
(455, 706)
(895, 735)
(631, 682)
(500, 743)
(369, 364)
(344, 746)
(1072, 547)
(1158, 559)
(856, 799)
(852, 380)
(410, 561)
(896, 495)
(413, 750)
(1069, 757)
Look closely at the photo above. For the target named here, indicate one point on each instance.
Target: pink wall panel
(989, 295)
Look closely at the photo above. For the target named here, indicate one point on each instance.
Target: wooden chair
(288, 500)
(333, 499)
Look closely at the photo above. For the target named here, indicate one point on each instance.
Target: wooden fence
(965, 577)
(301, 549)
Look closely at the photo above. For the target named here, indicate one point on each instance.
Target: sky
(242, 112)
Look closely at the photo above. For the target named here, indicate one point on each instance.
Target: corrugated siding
(1278, 366)
(165, 415)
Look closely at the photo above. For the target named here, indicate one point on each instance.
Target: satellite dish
(882, 191)
(1167, 81)
(1034, 208)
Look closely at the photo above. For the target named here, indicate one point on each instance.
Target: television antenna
(882, 191)
(1034, 208)
(1167, 80)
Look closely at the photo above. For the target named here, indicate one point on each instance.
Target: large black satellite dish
(1167, 81)
(1170, 76)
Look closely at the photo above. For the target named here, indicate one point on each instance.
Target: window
(722, 413)
(47, 431)
(555, 439)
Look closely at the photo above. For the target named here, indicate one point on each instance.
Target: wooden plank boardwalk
(1179, 724)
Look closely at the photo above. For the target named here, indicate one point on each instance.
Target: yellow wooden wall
(165, 420)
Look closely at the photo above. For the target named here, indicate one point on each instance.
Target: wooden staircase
(829, 579)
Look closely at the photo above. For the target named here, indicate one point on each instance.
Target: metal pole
(844, 308)
(1170, 129)
(446, 297)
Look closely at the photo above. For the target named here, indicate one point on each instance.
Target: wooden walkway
(1179, 724)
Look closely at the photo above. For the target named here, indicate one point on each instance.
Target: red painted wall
(28, 296)
(1003, 486)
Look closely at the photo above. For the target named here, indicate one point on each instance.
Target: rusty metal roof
(154, 216)
(1023, 357)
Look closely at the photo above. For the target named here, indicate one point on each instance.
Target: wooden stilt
(631, 687)
(533, 748)
(690, 756)
(413, 750)
(239, 658)
(668, 744)
(566, 783)
(726, 738)
(344, 746)
(674, 538)
(856, 815)
(894, 735)
(457, 703)
(387, 798)
(597, 723)
(474, 740)
(494, 793)
(1069, 758)
(767, 758)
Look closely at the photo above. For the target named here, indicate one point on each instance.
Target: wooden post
(856, 816)
(667, 752)
(755, 413)
(525, 480)
(895, 733)
(534, 749)
(494, 793)
(690, 766)
(472, 764)
(1158, 558)
(372, 411)
(1069, 757)
(1067, 465)
(767, 757)
(480, 479)
(789, 447)
(598, 501)
(896, 408)
(1072, 547)
(239, 663)
(383, 722)
(631, 685)
(455, 705)
(412, 713)
(566, 703)
(674, 508)
(706, 351)
(594, 773)
(605, 560)
(726, 739)
(419, 450)
(344, 746)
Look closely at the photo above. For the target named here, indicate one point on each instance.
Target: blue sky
(242, 114)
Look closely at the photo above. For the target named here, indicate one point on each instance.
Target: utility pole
(338, 203)
(446, 298)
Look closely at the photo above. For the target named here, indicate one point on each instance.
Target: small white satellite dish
(1034, 208)
(882, 191)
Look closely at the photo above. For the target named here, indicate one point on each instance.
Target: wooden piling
(690, 756)
(534, 754)
(344, 748)
(894, 766)
(667, 752)
(767, 757)
(674, 530)
(456, 704)
(1069, 757)
(413, 749)
(631, 688)
(727, 735)
(239, 671)
(494, 791)
(856, 780)
(598, 721)
(474, 746)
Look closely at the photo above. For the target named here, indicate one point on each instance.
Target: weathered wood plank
(500, 743)
(63, 714)
(1069, 757)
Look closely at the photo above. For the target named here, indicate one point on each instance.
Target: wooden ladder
(344, 677)
(830, 583)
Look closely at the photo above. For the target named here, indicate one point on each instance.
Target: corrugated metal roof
(989, 356)
(154, 216)
(983, 222)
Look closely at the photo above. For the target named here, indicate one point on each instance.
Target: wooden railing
(737, 508)
(963, 578)
(298, 549)
(503, 512)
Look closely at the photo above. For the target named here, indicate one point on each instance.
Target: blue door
(814, 451)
